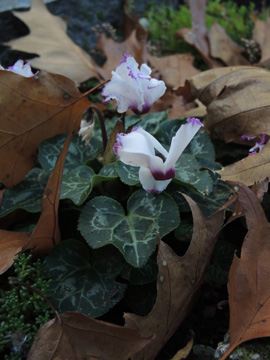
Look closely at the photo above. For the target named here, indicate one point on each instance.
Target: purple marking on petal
(262, 141)
(152, 87)
(153, 191)
(144, 110)
(136, 128)
(159, 175)
(194, 121)
(116, 146)
(125, 60)
(243, 137)
(253, 153)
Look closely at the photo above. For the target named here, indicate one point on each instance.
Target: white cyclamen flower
(139, 148)
(86, 131)
(133, 88)
(20, 68)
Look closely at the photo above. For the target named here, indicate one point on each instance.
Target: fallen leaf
(47, 233)
(261, 34)
(224, 48)
(80, 337)
(259, 189)
(183, 353)
(249, 292)
(236, 100)
(11, 243)
(179, 280)
(114, 52)
(131, 23)
(48, 38)
(42, 107)
(175, 69)
(197, 36)
(249, 170)
(175, 105)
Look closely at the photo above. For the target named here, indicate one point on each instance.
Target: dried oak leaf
(179, 280)
(236, 98)
(79, 337)
(33, 110)
(47, 233)
(48, 38)
(11, 244)
(224, 48)
(197, 36)
(250, 169)
(261, 34)
(249, 292)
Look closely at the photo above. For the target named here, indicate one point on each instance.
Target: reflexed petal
(21, 69)
(155, 144)
(180, 141)
(149, 183)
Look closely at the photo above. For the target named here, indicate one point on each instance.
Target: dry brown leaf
(42, 107)
(11, 244)
(179, 280)
(261, 34)
(175, 105)
(197, 36)
(249, 170)
(183, 353)
(249, 292)
(175, 69)
(47, 233)
(114, 52)
(224, 48)
(79, 337)
(48, 38)
(236, 98)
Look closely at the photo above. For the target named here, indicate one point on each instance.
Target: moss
(23, 311)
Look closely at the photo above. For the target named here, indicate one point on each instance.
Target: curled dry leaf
(47, 233)
(249, 292)
(179, 280)
(11, 244)
(42, 107)
(236, 98)
(224, 48)
(79, 337)
(249, 170)
(48, 38)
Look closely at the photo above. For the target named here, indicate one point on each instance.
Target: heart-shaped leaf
(81, 283)
(103, 221)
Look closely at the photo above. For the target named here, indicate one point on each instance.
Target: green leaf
(76, 184)
(84, 284)
(27, 195)
(128, 174)
(109, 170)
(78, 154)
(103, 221)
(187, 171)
(208, 203)
(150, 122)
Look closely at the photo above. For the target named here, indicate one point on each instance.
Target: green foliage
(23, 311)
(165, 21)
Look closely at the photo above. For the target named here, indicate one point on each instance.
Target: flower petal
(180, 141)
(149, 183)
